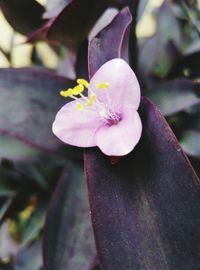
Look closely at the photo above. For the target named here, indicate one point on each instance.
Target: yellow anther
(91, 100)
(66, 93)
(78, 89)
(102, 85)
(79, 106)
(83, 82)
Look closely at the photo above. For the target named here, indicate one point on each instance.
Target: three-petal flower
(108, 116)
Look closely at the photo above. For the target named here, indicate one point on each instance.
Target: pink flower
(107, 117)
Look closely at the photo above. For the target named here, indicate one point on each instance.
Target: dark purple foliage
(29, 100)
(140, 203)
(117, 34)
(75, 21)
(68, 240)
(145, 208)
(25, 16)
(174, 96)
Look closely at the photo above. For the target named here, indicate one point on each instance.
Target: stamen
(69, 93)
(83, 82)
(78, 89)
(83, 102)
(66, 93)
(102, 85)
(114, 118)
(105, 85)
(79, 106)
(91, 93)
(91, 100)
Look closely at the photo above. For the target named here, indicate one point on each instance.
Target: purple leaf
(25, 16)
(78, 17)
(145, 208)
(73, 24)
(41, 33)
(122, 3)
(168, 24)
(103, 21)
(68, 238)
(159, 52)
(174, 96)
(116, 34)
(29, 258)
(81, 66)
(53, 8)
(29, 102)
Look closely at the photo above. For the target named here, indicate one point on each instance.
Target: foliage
(145, 206)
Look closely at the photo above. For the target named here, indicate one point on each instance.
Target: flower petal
(124, 89)
(120, 139)
(76, 127)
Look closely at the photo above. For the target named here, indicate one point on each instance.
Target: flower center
(114, 118)
(91, 102)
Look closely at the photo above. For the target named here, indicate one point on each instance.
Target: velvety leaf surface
(25, 16)
(145, 208)
(68, 238)
(28, 105)
(174, 96)
(115, 35)
(76, 20)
